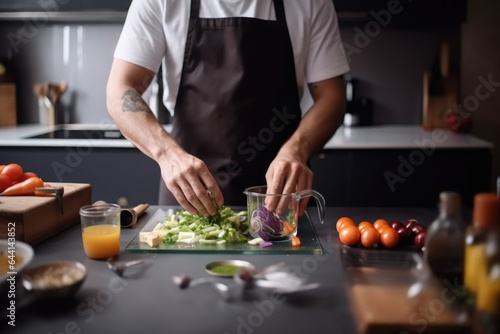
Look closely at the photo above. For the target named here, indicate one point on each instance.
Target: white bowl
(21, 249)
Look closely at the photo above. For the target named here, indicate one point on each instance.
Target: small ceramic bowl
(55, 280)
(10, 265)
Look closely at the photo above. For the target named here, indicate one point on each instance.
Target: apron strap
(279, 10)
(195, 9)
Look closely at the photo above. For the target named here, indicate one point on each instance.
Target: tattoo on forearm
(132, 101)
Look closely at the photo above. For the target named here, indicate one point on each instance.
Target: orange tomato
(349, 235)
(344, 221)
(389, 238)
(363, 225)
(383, 227)
(369, 237)
(379, 222)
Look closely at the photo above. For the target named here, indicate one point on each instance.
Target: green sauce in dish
(225, 269)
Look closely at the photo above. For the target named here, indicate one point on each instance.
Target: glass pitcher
(279, 224)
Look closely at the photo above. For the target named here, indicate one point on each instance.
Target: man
(233, 73)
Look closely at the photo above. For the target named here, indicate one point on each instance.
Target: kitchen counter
(372, 137)
(150, 302)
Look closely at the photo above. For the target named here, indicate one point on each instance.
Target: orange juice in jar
(101, 230)
(101, 241)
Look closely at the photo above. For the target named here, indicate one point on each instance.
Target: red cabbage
(266, 224)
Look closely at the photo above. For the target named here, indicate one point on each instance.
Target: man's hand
(190, 181)
(287, 174)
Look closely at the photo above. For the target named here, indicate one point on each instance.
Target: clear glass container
(485, 213)
(488, 295)
(445, 241)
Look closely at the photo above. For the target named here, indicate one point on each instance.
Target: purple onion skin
(266, 224)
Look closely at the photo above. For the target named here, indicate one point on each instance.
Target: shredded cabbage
(226, 226)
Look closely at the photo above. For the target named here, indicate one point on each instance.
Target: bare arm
(289, 171)
(186, 176)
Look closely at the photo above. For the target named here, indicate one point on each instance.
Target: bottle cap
(486, 212)
(450, 201)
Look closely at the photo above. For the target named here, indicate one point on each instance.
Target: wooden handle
(139, 209)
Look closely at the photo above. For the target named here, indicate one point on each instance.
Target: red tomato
(25, 176)
(349, 235)
(5, 182)
(13, 171)
(389, 238)
(2, 167)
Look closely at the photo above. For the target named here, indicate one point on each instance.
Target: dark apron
(238, 100)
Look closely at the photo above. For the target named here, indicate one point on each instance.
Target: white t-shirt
(155, 31)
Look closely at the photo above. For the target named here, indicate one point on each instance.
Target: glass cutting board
(309, 243)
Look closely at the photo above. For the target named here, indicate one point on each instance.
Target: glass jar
(488, 295)
(486, 212)
(445, 240)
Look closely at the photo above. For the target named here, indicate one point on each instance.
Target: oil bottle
(486, 212)
(445, 240)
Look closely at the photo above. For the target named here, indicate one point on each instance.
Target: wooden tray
(36, 218)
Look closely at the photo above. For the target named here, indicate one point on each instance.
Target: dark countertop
(151, 301)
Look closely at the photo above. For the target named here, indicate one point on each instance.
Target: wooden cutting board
(33, 219)
(379, 299)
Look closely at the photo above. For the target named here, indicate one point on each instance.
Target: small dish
(54, 280)
(24, 254)
(227, 268)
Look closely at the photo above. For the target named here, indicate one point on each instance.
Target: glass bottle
(488, 295)
(445, 240)
(486, 211)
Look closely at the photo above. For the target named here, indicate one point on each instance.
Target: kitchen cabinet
(400, 177)
(401, 12)
(112, 172)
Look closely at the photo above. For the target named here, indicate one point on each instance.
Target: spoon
(119, 267)
(183, 282)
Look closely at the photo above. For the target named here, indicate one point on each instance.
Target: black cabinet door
(400, 178)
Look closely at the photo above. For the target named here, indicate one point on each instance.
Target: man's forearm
(321, 120)
(138, 124)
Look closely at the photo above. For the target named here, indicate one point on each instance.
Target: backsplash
(388, 66)
(78, 54)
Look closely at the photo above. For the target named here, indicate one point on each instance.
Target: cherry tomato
(363, 225)
(389, 238)
(383, 227)
(349, 235)
(370, 237)
(5, 182)
(379, 222)
(2, 167)
(13, 171)
(344, 221)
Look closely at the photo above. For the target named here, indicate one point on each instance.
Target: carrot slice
(295, 241)
(288, 228)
